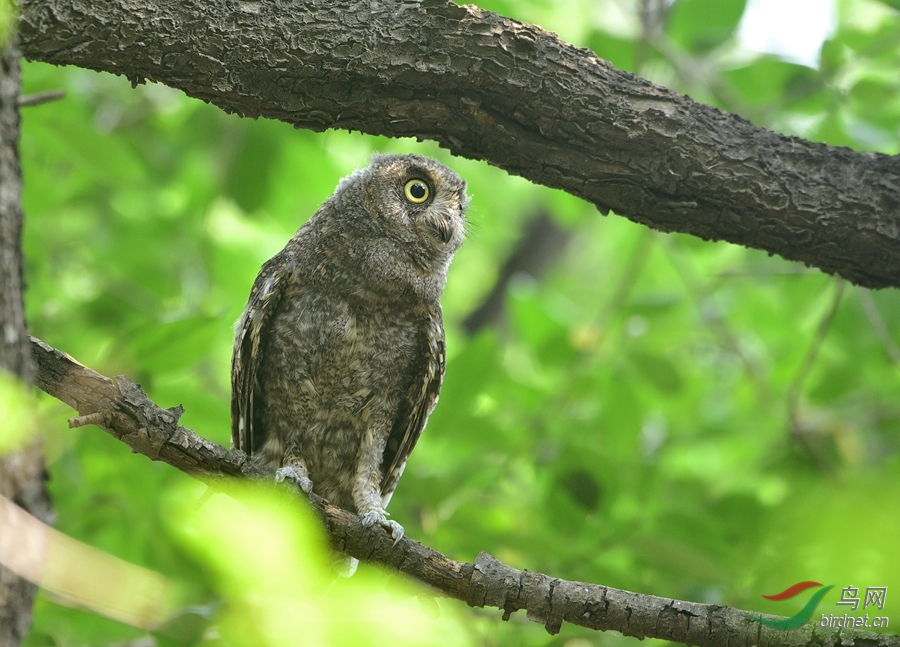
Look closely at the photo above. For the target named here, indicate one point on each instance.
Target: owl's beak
(443, 227)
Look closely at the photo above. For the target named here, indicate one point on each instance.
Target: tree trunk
(22, 472)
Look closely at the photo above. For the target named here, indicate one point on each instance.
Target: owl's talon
(369, 519)
(291, 474)
(395, 529)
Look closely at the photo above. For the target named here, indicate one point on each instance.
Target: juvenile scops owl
(339, 355)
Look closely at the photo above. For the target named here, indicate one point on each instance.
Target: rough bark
(120, 407)
(22, 472)
(494, 89)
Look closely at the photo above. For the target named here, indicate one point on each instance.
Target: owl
(339, 355)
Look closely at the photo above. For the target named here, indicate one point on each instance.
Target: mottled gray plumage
(339, 356)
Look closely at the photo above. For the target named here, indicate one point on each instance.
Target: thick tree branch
(121, 408)
(494, 89)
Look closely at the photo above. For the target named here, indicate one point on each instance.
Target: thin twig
(38, 98)
(796, 387)
(868, 304)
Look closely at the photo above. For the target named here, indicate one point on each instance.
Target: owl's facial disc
(437, 208)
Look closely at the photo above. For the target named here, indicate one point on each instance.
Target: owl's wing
(420, 400)
(264, 298)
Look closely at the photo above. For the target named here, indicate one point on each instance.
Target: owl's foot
(371, 518)
(289, 473)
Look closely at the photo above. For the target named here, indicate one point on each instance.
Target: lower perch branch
(120, 407)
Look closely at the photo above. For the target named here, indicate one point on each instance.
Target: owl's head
(396, 223)
(419, 202)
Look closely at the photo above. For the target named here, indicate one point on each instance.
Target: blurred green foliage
(271, 568)
(655, 413)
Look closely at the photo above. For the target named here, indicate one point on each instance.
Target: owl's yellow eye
(416, 191)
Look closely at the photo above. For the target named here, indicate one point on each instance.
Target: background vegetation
(657, 413)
